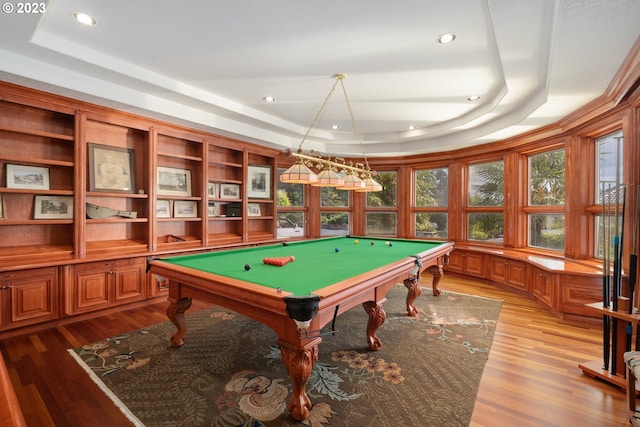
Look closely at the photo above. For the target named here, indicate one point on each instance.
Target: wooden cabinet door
(466, 263)
(128, 280)
(29, 297)
(498, 270)
(544, 289)
(90, 289)
(508, 272)
(474, 263)
(98, 285)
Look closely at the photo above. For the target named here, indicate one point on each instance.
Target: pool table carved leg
(299, 363)
(377, 316)
(413, 292)
(175, 312)
(437, 272)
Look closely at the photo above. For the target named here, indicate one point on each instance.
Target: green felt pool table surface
(317, 263)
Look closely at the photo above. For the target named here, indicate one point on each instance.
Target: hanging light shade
(370, 185)
(333, 172)
(329, 178)
(299, 173)
(351, 182)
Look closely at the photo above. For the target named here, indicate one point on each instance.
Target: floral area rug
(229, 372)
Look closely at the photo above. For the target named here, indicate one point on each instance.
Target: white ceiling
(209, 63)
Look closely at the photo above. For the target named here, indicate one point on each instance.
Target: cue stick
(605, 286)
(633, 257)
(616, 266)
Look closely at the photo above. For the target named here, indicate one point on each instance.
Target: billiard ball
(247, 267)
(355, 242)
(387, 243)
(390, 244)
(292, 258)
(284, 243)
(337, 249)
(372, 243)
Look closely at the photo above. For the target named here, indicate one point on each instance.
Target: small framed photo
(229, 191)
(253, 209)
(174, 182)
(211, 209)
(185, 209)
(53, 207)
(111, 169)
(259, 181)
(211, 190)
(163, 209)
(27, 177)
(3, 208)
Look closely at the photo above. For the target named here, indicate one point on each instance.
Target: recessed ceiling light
(335, 127)
(84, 19)
(446, 38)
(473, 97)
(269, 98)
(412, 127)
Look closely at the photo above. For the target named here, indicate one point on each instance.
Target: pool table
(297, 300)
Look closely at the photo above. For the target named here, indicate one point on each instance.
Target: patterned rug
(229, 372)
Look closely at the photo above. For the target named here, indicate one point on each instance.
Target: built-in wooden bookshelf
(88, 194)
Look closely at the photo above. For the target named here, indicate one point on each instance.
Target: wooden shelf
(35, 132)
(53, 192)
(124, 245)
(594, 369)
(598, 308)
(34, 161)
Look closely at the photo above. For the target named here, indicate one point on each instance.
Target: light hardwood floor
(532, 377)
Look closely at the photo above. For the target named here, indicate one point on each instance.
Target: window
(387, 197)
(290, 194)
(546, 200)
(383, 222)
(334, 214)
(609, 190)
(334, 223)
(485, 217)
(431, 203)
(290, 224)
(291, 209)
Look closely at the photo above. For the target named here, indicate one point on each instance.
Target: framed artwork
(163, 209)
(53, 207)
(211, 209)
(3, 208)
(229, 191)
(111, 169)
(211, 190)
(185, 209)
(259, 182)
(174, 182)
(27, 177)
(253, 209)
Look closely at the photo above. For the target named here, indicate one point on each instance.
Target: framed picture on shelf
(111, 169)
(53, 207)
(253, 209)
(259, 181)
(185, 209)
(27, 177)
(211, 209)
(211, 190)
(3, 208)
(163, 209)
(174, 182)
(229, 191)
